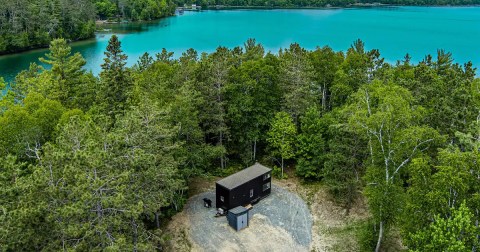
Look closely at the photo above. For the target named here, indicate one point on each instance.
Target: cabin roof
(243, 176)
(238, 210)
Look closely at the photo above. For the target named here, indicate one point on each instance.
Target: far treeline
(320, 3)
(28, 24)
(100, 163)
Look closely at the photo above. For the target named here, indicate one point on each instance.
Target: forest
(101, 163)
(29, 24)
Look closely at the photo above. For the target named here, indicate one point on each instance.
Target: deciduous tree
(281, 137)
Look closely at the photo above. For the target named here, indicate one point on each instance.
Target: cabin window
(266, 176)
(251, 193)
(266, 186)
(222, 199)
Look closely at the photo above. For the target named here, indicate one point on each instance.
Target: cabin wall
(222, 191)
(268, 180)
(241, 195)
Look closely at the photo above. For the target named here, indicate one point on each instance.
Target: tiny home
(244, 187)
(238, 217)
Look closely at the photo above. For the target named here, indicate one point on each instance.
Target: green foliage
(367, 236)
(325, 63)
(383, 113)
(358, 68)
(7, 97)
(253, 98)
(213, 71)
(469, 140)
(23, 207)
(91, 163)
(69, 82)
(281, 137)
(296, 81)
(105, 202)
(115, 80)
(343, 167)
(134, 9)
(105, 8)
(66, 80)
(436, 191)
(277, 172)
(24, 128)
(433, 82)
(455, 233)
(30, 24)
(311, 145)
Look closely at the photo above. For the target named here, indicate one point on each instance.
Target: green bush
(277, 173)
(367, 236)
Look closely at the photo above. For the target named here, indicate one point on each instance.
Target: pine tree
(67, 72)
(115, 80)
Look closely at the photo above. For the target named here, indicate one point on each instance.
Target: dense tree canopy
(27, 24)
(99, 163)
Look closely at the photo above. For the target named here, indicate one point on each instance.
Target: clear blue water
(395, 31)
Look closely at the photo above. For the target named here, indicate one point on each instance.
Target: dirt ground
(331, 230)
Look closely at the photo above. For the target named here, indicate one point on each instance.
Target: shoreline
(43, 48)
(350, 6)
(100, 23)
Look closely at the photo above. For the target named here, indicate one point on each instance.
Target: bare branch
(410, 157)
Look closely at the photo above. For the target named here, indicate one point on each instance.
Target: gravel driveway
(281, 222)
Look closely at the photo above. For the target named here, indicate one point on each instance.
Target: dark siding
(269, 190)
(222, 191)
(240, 195)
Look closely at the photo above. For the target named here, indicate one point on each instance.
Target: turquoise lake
(395, 31)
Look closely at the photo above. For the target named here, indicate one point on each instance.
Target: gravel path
(281, 222)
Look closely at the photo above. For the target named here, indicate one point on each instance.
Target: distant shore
(327, 7)
(100, 23)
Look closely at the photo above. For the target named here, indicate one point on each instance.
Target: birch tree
(383, 113)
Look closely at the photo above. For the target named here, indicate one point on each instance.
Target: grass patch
(347, 238)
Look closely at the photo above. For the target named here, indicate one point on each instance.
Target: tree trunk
(476, 224)
(157, 220)
(324, 98)
(222, 157)
(135, 235)
(255, 150)
(380, 237)
(282, 167)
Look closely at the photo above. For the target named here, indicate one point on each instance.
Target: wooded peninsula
(100, 163)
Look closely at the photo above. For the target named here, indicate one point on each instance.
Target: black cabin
(244, 187)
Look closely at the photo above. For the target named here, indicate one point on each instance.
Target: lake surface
(395, 31)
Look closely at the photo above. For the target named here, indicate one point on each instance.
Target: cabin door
(242, 221)
(245, 219)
